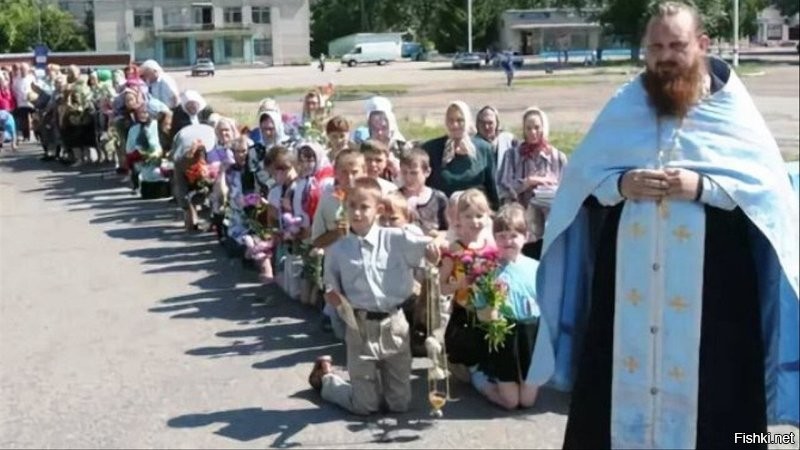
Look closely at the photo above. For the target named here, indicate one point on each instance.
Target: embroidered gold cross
(676, 373)
(634, 297)
(678, 304)
(631, 364)
(682, 233)
(637, 230)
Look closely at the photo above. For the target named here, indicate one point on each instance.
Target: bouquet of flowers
(489, 297)
(256, 211)
(312, 264)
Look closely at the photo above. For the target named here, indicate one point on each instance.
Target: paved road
(117, 330)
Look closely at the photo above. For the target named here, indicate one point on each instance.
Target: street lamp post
(735, 33)
(469, 26)
(39, 9)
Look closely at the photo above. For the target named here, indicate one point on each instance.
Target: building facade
(774, 28)
(178, 32)
(539, 31)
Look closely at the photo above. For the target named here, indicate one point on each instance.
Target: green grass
(557, 81)
(343, 93)
(417, 130)
(564, 140)
(749, 69)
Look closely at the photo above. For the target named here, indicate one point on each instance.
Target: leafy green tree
(788, 7)
(19, 27)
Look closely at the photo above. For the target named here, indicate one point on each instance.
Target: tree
(441, 22)
(19, 27)
(626, 20)
(787, 7)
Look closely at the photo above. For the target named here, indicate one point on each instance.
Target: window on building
(234, 48)
(175, 49)
(143, 18)
(204, 15)
(262, 47)
(173, 17)
(261, 14)
(775, 31)
(233, 15)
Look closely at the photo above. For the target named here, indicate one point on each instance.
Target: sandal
(322, 367)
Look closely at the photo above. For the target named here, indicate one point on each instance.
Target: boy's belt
(374, 315)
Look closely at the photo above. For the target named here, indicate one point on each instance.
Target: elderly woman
(270, 132)
(487, 123)
(314, 109)
(77, 126)
(460, 161)
(530, 175)
(192, 110)
(184, 148)
(382, 127)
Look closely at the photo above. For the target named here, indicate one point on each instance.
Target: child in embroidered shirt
(371, 270)
(510, 377)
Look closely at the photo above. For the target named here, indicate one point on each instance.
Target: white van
(373, 52)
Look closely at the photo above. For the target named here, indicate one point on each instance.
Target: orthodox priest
(669, 274)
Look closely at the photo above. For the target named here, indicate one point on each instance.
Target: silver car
(467, 61)
(203, 66)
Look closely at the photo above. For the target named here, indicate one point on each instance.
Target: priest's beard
(672, 91)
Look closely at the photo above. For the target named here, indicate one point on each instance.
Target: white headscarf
(152, 65)
(277, 120)
(382, 104)
(193, 96)
(543, 116)
(469, 131)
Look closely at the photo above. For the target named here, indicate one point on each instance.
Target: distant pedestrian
(322, 62)
(508, 68)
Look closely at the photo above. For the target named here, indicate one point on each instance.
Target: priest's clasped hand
(672, 183)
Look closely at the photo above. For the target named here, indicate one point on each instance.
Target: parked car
(516, 59)
(467, 61)
(203, 66)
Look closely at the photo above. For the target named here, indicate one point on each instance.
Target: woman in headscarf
(193, 110)
(487, 123)
(531, 174)
(219, 159)
(459, 160)
(314, 110)
(270, 132)
(77, 127)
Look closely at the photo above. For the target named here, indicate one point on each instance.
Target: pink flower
(467, 259)
(251, 199)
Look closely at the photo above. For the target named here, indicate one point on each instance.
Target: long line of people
(281, 197)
